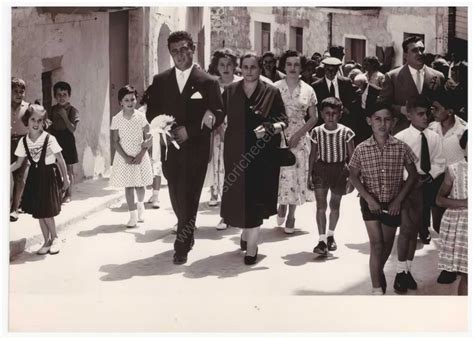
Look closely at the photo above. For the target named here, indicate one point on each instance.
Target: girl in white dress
(131, 167)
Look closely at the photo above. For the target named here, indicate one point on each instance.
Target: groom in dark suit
(410, 80)
(193, 98)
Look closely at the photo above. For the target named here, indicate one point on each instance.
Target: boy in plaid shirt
(376, 171)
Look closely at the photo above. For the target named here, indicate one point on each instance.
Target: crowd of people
(267, 135)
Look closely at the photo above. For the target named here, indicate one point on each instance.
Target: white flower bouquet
(161, 127)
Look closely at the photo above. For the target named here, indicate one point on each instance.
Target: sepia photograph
(187, 169)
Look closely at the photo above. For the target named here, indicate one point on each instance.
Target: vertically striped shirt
(332, 145)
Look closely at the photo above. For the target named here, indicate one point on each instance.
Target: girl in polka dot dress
(132, 166)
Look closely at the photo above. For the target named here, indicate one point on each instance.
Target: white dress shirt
(414, 72)
(452, 151)
(182, 77)
(412, 137)
(336, 87)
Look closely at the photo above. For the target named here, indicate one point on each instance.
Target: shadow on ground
(102, 229)
(224, 265)
(302, 258)
(160, 264)
(26, 257)
(208, 232)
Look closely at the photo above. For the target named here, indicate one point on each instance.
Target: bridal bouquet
(161, 126)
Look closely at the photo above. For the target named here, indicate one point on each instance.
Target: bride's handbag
(284, 155)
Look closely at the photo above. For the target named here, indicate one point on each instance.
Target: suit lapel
(407, 81)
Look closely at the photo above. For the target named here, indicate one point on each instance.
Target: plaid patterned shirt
(381, 170)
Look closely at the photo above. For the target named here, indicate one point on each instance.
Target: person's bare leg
(45, 231)
(463, 285)
(252, 240)
(374, 231)
(334, 205)
(51, 227)
(321, 207)
(70, 173)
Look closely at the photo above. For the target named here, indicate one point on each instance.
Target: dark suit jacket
(346, 94)
(361, 129)
(164, 98)
(399, 86)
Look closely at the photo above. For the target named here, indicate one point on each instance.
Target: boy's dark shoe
(332, 246)
(321, 248)
(400, 283)
(446, 277)
(411, 283)
(425, 237)
(180, 259)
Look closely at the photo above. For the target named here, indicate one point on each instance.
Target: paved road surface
(110, 278)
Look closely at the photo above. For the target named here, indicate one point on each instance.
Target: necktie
(332, 91)
(418, 81)
(425, 163)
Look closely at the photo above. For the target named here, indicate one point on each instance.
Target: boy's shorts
(384, 218)
(331, 176)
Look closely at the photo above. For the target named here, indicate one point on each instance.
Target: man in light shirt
(412, 79)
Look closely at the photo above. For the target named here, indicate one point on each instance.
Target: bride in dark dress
(256, 116)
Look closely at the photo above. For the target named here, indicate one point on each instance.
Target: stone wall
(74, 47)
(234, 27)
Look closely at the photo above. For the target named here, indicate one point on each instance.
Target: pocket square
(196, 95)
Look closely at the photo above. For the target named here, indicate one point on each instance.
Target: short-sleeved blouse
(35, 148)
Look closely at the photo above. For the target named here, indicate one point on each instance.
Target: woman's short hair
(251, 55)
(223, 53)
(372, 61)
(36, 108)
(292, 53)
(127, 89)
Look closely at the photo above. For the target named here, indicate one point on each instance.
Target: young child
(131, 167)
(376, 171)
(430, 164)
(453, 255)
(155, 154)
(18, 130)
(64, 118)
(43, 190)
(332, 148)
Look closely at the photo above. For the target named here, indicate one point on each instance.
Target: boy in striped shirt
(332, 147)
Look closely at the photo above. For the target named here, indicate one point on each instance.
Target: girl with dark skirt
(47, 175)
(256, 116)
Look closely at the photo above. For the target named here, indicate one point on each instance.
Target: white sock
(133, 215)
(409, 262)
(330, 233)
(377, 291)
(401, 266)
(322, 237)
(156, 193)
(140, 206)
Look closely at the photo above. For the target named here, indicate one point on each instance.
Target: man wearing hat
(333, 85)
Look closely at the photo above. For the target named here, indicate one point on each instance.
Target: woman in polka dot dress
(132, 166)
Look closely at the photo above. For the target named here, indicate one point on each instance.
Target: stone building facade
(312, 29)
(98, 50)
